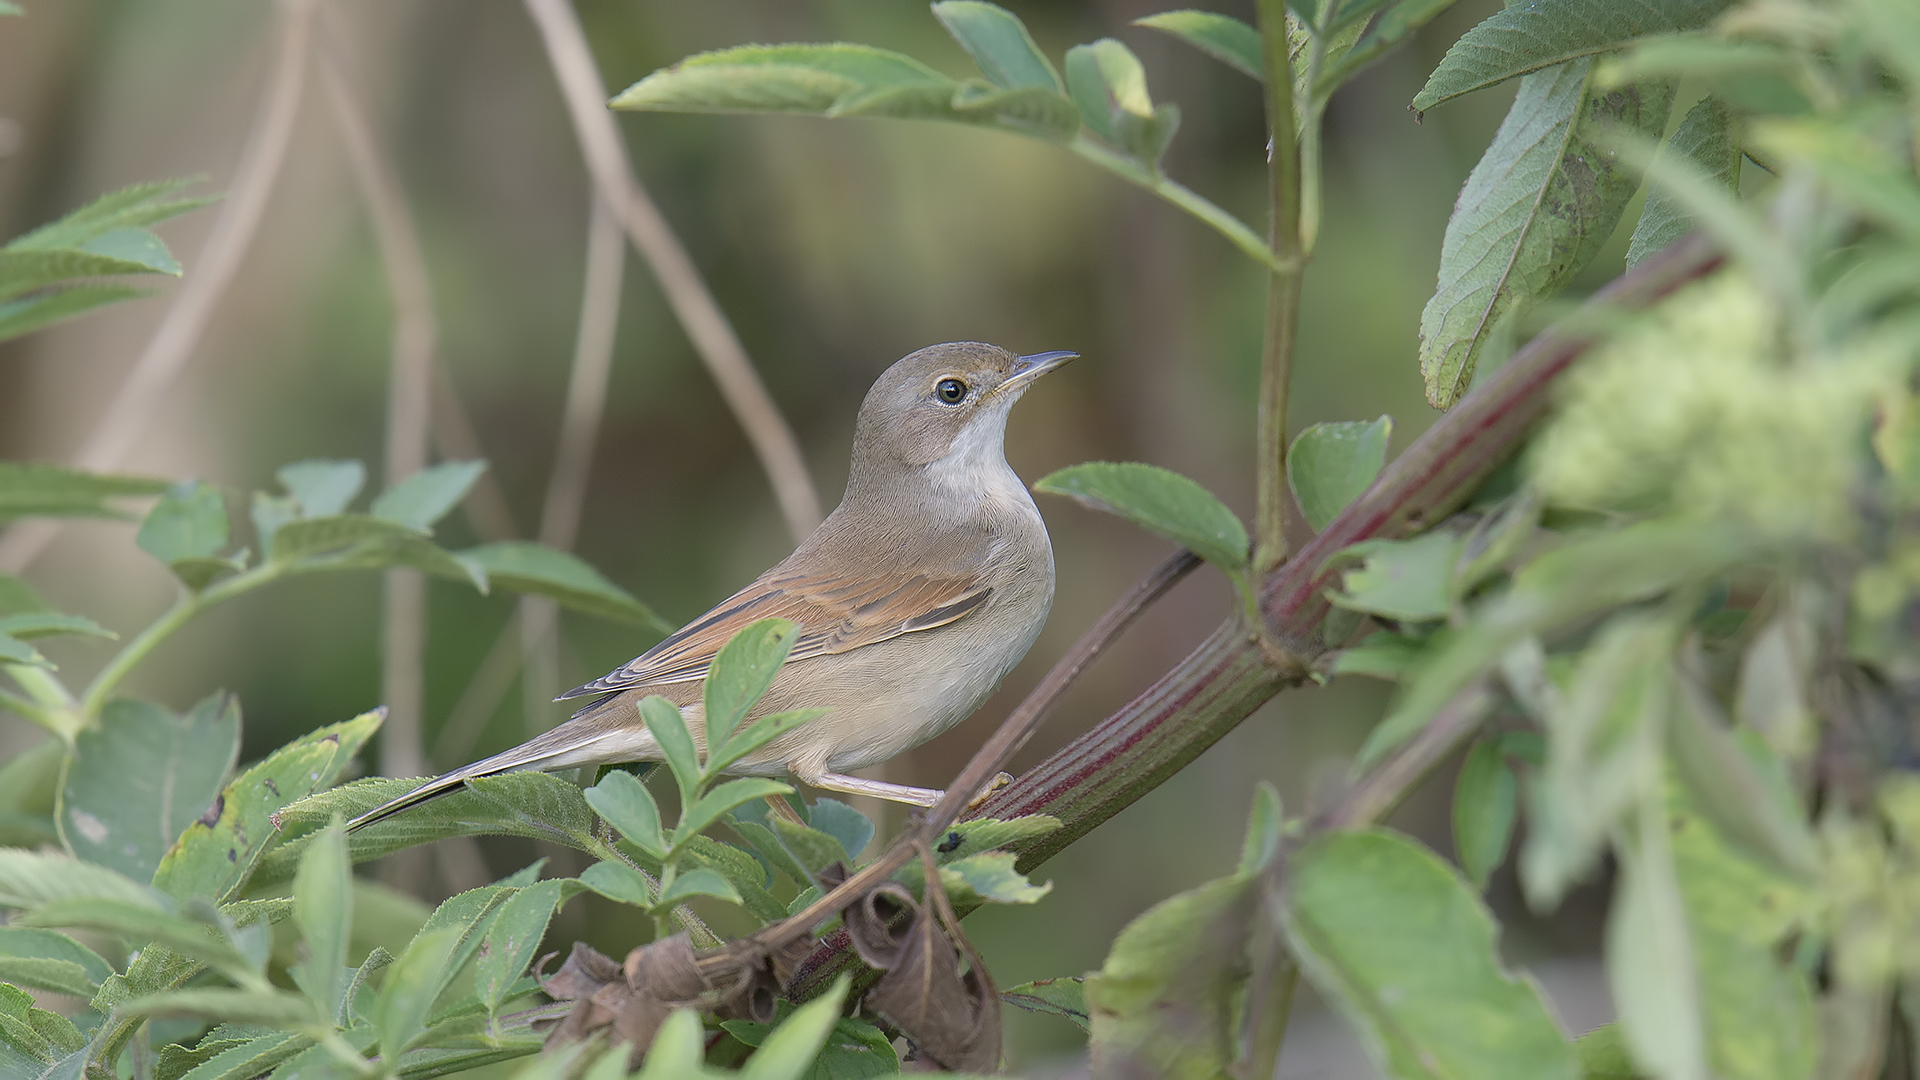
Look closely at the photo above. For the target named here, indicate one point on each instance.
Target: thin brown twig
(687, 294)
(994, 754)
(410, 380)
(159, 365)
(573, 456)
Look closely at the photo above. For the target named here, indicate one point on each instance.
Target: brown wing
(834, 615)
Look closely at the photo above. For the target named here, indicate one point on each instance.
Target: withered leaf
(954, 1019)
(633, 999)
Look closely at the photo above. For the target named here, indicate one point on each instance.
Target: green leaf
(129, 207)
(1163, 503)
(51, 491)
(1410, 580)
(758, 734)
(1530, 37)
(812, 849)
(1485, 798)
(424, 498)
(1405, 951)
(999, 43)
(41, 973)
(1166, 1002)
(698, 882)
(1109, 88)
(852, 828)
(234, 1059)
(412, 985)
(1331, 464)
(992, 834)
(747, 874)
(140, 253)
(323, 488)
(190, 521)
(21, 943)
(1603, 751)
(140, 924)
(1535, 210)
(626, 804)
(1705, 137)
(140, 778)
(29, 879)
(714, 804)
(1393, 26)
(991, 879)
(323, 910)
(41, 624)
(515, 937)
(30, 313)
(1222, 37)
(1382, 655)
(320, 535)
(1758, 1007)
(854, 1049)
(669, 729)
(264, 1008)
(525, 566)
(841, 80)
(213, 858)
(1722, 779)
(1058, 997)
(1649, 955)
(740, 675)
(617, 881)
(1265, 823)
(542, 798)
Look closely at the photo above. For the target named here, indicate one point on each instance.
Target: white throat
(976, 465)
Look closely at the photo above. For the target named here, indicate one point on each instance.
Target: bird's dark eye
(951, 391)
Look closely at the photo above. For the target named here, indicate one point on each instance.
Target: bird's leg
(879, 789)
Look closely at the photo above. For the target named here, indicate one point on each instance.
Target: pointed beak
(1028, 368)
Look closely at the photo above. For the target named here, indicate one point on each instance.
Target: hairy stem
(1283, 294)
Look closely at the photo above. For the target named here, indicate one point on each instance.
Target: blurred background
(835, 247)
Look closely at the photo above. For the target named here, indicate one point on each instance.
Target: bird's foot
(1000, 780)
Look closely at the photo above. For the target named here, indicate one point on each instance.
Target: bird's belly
(888, 697)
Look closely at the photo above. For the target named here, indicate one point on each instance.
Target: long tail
(587, 739)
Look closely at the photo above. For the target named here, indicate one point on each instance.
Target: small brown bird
(913, 599)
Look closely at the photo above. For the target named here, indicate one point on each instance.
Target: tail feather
(585, 740)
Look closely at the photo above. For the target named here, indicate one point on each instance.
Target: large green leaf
(105, 238)
(52, 491)
(428, 495)
(515, 936)
(1404, 949)
(27, 944)
(140, 924)
(137, 781)
(999, 44)
(1535, 210)
(1529, 37)
(625, 803)
(1109, 88)
(1331, 464)
(214, 857)
(525, 566)
(1222, 37)
(1163, 503)
(1705, 137)
(130, 207)
(841, 79)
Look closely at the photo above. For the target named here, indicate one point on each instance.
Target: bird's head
(945, 403)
